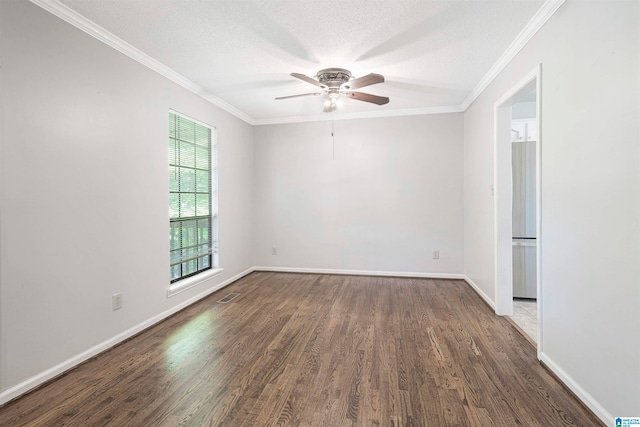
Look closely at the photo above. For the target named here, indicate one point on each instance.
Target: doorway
(517, 205)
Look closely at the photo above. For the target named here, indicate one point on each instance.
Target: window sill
(190, 282)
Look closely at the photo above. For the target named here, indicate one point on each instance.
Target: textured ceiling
(432, 53)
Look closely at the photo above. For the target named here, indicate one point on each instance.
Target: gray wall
(84, 191)
(590, 196)
(391, 196)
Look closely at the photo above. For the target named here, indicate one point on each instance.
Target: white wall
(84, 191)
(590, 196)
(390, 198)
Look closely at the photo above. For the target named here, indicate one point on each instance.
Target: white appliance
(523, 149)
(524, 268)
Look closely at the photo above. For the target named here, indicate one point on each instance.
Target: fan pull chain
(333, 140)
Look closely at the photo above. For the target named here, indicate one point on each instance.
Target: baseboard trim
(361, 272)
(588, 400)
(51, 373)
(45, 376)
(480, 292)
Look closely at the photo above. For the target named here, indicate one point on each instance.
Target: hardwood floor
(315, 350)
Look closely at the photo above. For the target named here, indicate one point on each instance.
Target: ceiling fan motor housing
(333, 78)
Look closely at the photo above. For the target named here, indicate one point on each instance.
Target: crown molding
(539, 19)
(74, 18)
(360, 115)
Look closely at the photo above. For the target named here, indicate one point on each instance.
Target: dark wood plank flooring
(315, 350)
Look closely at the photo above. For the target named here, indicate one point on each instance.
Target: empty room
(320, 213)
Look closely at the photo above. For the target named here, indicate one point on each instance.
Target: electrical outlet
(116, 302)
(436, 254)
(274, 250)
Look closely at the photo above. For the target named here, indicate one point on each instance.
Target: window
(193, 201)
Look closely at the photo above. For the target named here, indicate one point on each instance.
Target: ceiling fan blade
(369, 79)
(367, 97)
(307, 79)
(296, 96)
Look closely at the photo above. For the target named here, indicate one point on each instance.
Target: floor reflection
(196, 335)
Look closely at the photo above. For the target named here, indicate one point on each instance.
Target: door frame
(503, 197)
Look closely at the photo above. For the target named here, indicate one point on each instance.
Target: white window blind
(193, 198)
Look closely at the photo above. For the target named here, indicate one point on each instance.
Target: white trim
(361, 272)
(58, 369)
(539, 19)
(196, 121)
(503, 196)
(585, 397)
(74, 18)
(528, 78)
(70, 363)
(480, 292)
(581, 393)
(192, 281)
(361, 115)
(539, 234)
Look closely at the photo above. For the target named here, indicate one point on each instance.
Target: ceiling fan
(337, 82)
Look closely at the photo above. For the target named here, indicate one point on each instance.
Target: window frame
(192, 279)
